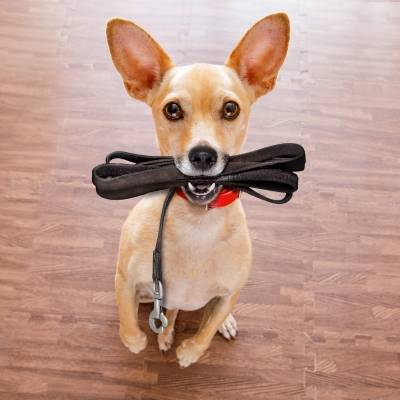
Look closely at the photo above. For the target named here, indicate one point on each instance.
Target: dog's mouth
(201, 194)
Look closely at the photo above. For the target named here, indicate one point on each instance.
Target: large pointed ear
(261, 52)
(139, 59)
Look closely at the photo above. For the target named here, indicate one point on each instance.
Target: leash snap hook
(157, 319)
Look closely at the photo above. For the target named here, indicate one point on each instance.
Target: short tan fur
(207, 253)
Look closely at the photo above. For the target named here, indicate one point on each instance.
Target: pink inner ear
(138, 56)
(264, 54)
(141, 69)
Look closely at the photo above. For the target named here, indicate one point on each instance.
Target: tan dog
(201, 113)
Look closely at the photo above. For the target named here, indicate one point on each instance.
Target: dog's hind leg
(166, 338)
(128, 303)
(228, 329)
(215, 314)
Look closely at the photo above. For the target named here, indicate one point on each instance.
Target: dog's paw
(165, 339)
(135, 343)
(189, 352)
(228, 329)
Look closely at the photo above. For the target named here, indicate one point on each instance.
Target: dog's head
(201, 110)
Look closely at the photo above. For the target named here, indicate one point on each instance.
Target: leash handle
(260, 196)
(133, 157)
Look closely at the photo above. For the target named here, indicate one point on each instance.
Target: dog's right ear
(139, 59)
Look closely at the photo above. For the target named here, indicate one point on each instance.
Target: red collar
(225, 197)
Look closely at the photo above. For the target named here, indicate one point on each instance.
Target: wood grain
(319, 317)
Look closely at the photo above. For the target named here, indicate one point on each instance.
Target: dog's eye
(231, 110)
(173, 111)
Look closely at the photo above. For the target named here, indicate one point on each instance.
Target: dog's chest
(196, 268)
(199, 263)
(204, 255)
(195, 285)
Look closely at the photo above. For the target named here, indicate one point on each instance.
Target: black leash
(157, 319)
(270, 168)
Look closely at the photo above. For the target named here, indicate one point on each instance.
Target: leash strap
(271, 168)
(157, 319)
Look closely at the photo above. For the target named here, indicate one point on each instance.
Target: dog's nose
(203, 157)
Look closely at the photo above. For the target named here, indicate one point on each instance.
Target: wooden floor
(320, 315)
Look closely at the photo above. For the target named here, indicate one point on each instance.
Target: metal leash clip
(157, 312)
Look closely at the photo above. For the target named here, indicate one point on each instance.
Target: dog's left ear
(261, 52)
(139, 59)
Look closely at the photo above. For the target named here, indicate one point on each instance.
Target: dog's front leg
(131, 334)
(192, 349)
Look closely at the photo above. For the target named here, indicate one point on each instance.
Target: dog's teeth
(210, 188)
(202, 190)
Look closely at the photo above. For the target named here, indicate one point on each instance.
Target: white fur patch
(228, 329)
